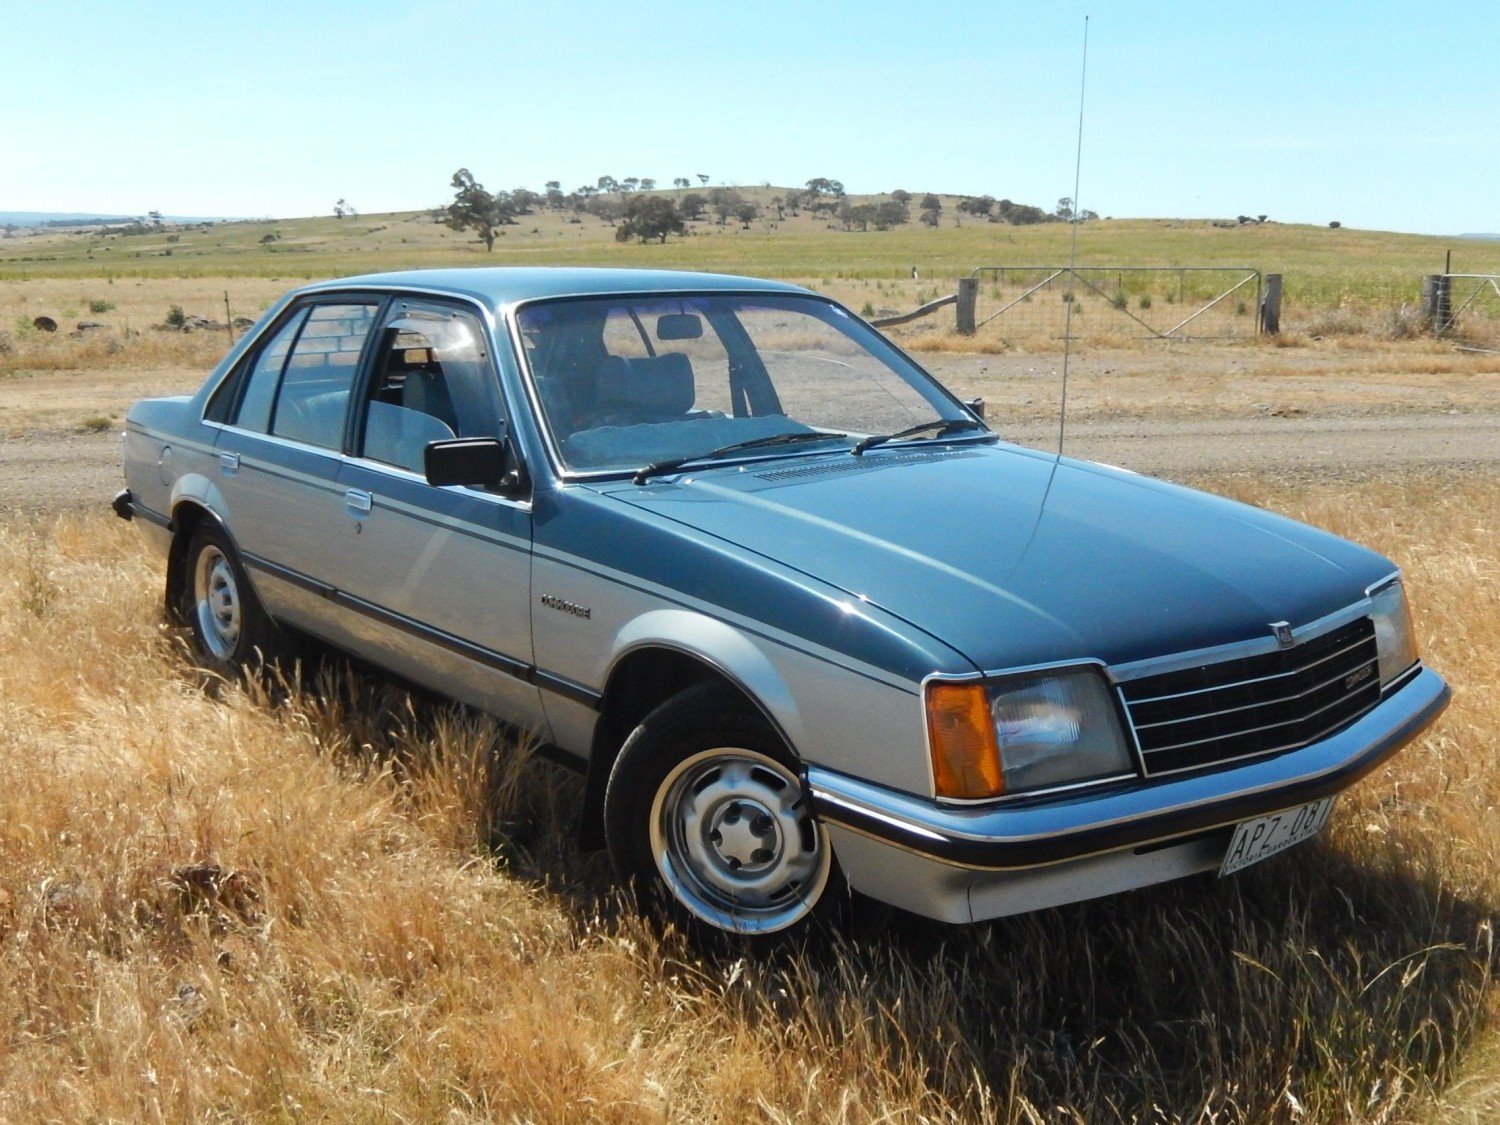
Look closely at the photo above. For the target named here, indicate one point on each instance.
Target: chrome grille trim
(1254, 705)
(1260, 680)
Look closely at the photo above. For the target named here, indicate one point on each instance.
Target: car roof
(499, 286)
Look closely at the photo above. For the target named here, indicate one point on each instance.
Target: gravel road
(47, 473)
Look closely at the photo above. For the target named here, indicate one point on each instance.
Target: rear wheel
(231, 631)
(707, 817)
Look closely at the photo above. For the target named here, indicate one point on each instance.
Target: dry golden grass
(342, 904)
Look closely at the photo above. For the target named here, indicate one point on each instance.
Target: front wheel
(231, 631)
(707, 818)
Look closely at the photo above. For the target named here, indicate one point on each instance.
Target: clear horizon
(1355, 113)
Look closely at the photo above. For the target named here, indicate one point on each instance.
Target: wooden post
(1437, 305)
(1270, 306)
(968, 297)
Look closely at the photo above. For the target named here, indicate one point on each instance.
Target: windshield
(630, 380)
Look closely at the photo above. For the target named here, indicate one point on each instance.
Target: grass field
(349, 905)
(1363, 274)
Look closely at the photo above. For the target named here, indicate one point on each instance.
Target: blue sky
(1374, 114)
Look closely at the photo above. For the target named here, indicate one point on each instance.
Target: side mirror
(476, 462)
(976, 405)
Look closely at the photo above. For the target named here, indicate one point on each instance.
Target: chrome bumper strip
(1024, 834)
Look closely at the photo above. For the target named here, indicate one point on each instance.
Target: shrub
(97, 306)
(868, 310)
(1145, 301)
(1119, 300)
(176, 318)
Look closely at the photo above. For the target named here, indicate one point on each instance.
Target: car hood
(1016, 558)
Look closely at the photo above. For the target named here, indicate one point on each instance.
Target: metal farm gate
(1018, 303)
(1464, 307)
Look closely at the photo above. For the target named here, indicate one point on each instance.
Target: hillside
(1323, 266)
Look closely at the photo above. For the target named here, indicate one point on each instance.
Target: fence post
(1270, 306)
(968, 297)
(1437, 306)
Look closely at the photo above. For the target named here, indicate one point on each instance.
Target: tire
(231, 632)
(707, 819)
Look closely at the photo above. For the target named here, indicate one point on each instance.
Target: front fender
(719, 645)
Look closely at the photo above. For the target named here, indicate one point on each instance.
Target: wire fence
(1466, 309)
(1021, 303)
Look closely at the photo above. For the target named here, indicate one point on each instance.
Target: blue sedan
(807, 624)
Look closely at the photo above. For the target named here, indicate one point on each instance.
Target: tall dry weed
(328, 899)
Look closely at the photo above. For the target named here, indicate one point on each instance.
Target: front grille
(1256, 704)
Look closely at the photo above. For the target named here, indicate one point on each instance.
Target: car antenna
(1062, 416)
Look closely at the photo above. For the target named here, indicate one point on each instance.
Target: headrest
(661, 384)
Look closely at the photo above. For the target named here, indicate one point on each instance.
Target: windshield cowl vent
(859, 464)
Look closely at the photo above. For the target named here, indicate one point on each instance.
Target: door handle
(358, 499)
(229, 463)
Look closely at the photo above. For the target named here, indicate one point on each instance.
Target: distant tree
(977, 205)
(747, 212)
(1086, 215)
(342, 208)
(649, 216)
(681, 183)
(724, 201)
(779, 203)
(524, 200)
(692, 205)
(608, 184)
(1260, 218)
(821, 186)
(629, 184)
(932, 207)
(555, 197)
(602, 207)
(155, 217)
(1335, 225)
(475, 209)
(1022, 214)
(702, 178)
(860, 215)
(1065, 209)
(901, 197)
(648, 184)
(587, 191)
(889, 213)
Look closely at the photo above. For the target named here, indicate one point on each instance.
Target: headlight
(1022, 734)
(1394, 639)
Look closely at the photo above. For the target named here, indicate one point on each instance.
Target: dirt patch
(1182, 415)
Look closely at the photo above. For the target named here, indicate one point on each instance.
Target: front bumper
(1098, 829)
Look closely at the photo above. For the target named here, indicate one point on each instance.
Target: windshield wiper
(941, 428)
(673, 463)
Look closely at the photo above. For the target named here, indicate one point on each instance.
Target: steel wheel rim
(735, 840)
(216, 602)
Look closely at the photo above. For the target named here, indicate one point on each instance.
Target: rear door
(285, 416)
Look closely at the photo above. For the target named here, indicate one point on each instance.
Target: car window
(312, 399)
(631, 381)
(264, 376)
(826, 377)
(432, 379)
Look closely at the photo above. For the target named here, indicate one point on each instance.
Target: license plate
(1259, 839)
